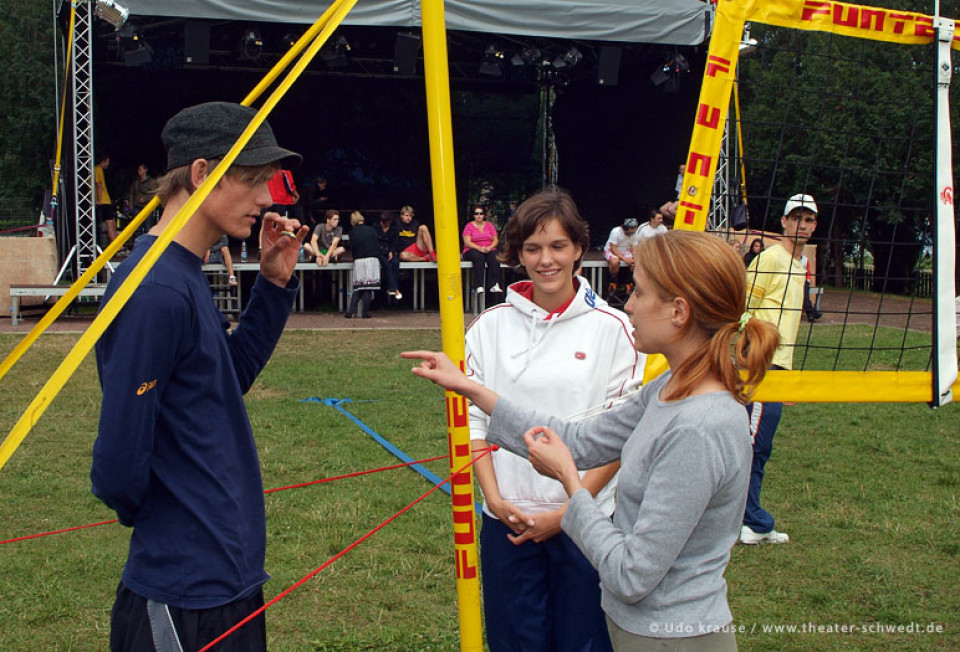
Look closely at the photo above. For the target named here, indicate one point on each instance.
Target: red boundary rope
(21, 228)
(268, 491)
(340, 554)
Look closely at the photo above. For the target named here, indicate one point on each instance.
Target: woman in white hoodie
(556, 346)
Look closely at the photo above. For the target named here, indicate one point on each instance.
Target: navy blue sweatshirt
(175, 455)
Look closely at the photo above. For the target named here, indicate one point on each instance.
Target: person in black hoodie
(365, 244)
(389, 237)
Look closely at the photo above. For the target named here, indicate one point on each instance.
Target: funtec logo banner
(859, 21)
(842, 18)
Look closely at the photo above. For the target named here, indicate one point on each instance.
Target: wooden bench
(46, 291)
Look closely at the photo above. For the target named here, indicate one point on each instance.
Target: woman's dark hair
(550, 203)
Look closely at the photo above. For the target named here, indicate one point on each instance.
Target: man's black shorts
(138, 624)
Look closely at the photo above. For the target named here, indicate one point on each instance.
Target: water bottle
(243, 252)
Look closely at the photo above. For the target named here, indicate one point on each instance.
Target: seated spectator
(618, 251)
(480, 242)
(389, 240)
(416, 245)
(220, 252)
(366, 265)
(755, 248)
(654, 226)
(325, 242)
(669, 211)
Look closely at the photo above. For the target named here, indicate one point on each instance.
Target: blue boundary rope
(337, 404)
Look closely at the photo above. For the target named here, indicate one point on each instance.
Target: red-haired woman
(683, 443)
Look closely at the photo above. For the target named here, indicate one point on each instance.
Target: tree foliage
(27, 103)
(850, 121)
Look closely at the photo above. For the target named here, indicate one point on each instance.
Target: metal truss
(718, 218)
(85, 248)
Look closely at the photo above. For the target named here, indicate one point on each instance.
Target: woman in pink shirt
(480, 242)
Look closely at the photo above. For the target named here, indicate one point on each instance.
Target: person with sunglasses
(480, 242)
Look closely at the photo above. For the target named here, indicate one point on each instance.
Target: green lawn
(868, 494)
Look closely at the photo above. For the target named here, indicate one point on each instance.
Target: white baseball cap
(800, 201)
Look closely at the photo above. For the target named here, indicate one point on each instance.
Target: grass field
(868, 494)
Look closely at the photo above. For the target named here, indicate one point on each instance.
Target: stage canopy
(675, 22)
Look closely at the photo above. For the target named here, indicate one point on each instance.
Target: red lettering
(699, 163)
(874, 16)
(717, 64)
(457, 413)
(689, 215)
(708, 116)
(853, 16)
(811, 9)
(461, 517)
(899, 22)
(924, 27)
(464, 571)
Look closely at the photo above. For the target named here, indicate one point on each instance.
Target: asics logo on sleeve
(146, 387)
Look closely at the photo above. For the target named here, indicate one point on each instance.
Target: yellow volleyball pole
(107, 314)
(436, 73)
(57, 309)
(63, 101)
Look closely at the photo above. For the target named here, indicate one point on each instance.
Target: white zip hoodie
(561, 363)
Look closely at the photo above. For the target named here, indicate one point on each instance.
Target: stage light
(668, 73)
(251, 45)
(528, 56)
(493, 58)
(112, 12)
(129, 30)
(335, 54)
(568, 59)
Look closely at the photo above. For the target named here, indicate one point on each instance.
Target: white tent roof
(676, 22)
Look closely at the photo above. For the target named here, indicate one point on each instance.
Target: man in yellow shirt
(775, 282)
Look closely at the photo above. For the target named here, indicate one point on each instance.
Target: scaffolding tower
(84, 250)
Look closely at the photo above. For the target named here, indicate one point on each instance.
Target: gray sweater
(683, 487)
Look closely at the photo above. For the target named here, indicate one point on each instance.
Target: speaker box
(405, 54)
(196, 43)
(608, 66)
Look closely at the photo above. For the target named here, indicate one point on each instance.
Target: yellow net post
(873, 23)
(451, 318)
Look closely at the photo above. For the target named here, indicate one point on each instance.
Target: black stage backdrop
(619, 147)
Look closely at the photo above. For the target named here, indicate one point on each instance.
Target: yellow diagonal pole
(63, 103)
(57, 309)
(436, 73)
(107, 314)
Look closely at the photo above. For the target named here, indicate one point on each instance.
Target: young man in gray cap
(175, 455)
(775, 283)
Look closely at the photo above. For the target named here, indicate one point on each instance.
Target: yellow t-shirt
(775, 294)
(98, 178)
